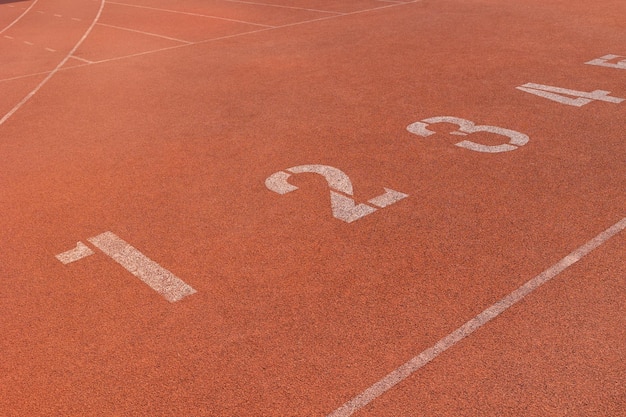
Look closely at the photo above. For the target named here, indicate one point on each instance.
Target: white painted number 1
(342, 204)
(560, 95)
(158, 278)
(467, 127)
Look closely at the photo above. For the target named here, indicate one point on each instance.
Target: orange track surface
(161, 120)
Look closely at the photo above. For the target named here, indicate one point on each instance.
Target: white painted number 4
(560, 95)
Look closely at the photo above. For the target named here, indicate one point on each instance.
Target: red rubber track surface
(160, 120)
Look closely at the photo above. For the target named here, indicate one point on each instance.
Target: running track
(163, 141)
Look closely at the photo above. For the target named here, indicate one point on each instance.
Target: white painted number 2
(467, 127)
(560, 95)
(342, 204)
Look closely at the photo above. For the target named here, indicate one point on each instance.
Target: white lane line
(9, 37)
(51, 50)
(57, 15)
(158, 278)
(154, 51)
(282, 6)
(603, 61)
(55, 70)
(28, 43)
(81, 59)
(236, 35)
(76, 19)
(174, 47)
(190, 14)
(19, 17)
(144, 33)
(34, 74)
(79, 252)
(404, 371)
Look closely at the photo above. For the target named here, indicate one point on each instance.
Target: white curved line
(56, 69)
(19, 17)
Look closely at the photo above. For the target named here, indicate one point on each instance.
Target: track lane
(290, 300)
(558, 353)
(41, 32)
(6, 26)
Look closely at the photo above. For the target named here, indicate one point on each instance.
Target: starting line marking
(419, 361)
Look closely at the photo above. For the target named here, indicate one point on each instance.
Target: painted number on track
(342, 204)
(605, 61)
(467, 127)
(158, 278)
(560, 95)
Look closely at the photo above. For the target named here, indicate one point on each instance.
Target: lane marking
(158, 278)
(190, 14)
(55, 70)
(19, 17)
(282, 6)
(79, 252)
(419, 361)
(81, 59)
(29, 44)
(251, 32)
(144, 33)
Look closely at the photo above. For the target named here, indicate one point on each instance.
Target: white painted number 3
(466, 127)
(342, 204)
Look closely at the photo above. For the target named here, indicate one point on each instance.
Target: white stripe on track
(282, 6)
(56, 69)
(419, 361)
(19, 17)
(144, 33)
(190, 14)
(169, 48)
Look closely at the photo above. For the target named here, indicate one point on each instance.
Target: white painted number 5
(466, 127)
